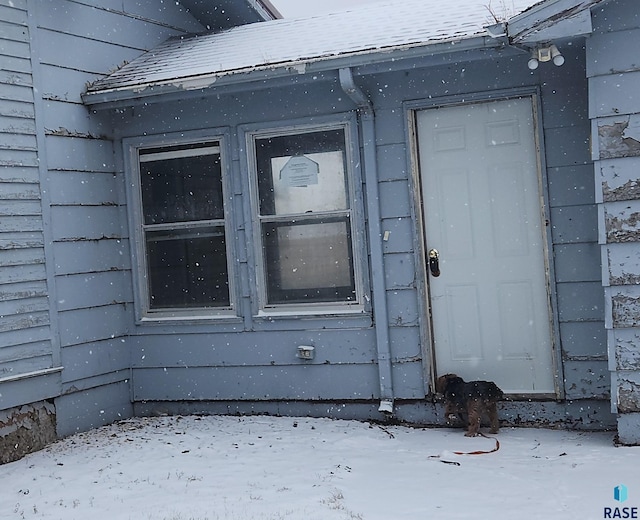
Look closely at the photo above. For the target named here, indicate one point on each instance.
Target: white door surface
(482, 213)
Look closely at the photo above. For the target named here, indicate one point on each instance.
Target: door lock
(434, 262)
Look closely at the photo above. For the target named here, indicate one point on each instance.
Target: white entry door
(490, 312)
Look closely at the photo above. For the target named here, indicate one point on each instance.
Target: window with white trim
(304, 214)
(182, 226)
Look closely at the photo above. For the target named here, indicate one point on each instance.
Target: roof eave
(125, 95)
(551, 20)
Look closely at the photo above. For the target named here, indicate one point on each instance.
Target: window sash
(309, 260)
(304, 232)
(184, 251)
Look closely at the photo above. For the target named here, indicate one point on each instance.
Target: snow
(198, 61)
(260, 467)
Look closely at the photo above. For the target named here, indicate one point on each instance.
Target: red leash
(480, 452)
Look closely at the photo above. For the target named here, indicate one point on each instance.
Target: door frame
(410, 109)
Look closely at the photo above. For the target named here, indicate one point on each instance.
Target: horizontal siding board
(30, 390)
(32, 349)
(26, 337)
(14, 141)
(392, 161)
(15, 32)
(24, 256)
(15, 48)
(574, 224)
(16, 224)
(92, 359)
(21, 273)
(603, 62)
(25, 365)
(571, 185)
(10, 13)
(78, 154)
(402, 305)
(23, 289)
(622, 221)
(623, 263)
(17, 108)
(67, 117)
(19, 174)
(23, 306)
(405, 343)
(583, 339)
(394, 199)
(562, 150)
(260, 383)
(400, 270)
(609, 94)
(13, 77)
(17, 190)
(88, 325)
(567, 110)
(20, 208)
(110, 26)
(18, 158)
(408, 380)
(24, 321)
(577, 262)
(619, 179)
(158, 350)
(587, 379)
(400, 235)
(23, 93)
(99, 402)
(84, 291)
(91, 256)
(86, 188)
(18, 125)
(21, 64)
(85, 222)
(582, 301)
(97, 57)
(20, 240)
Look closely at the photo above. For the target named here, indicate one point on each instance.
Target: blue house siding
(65, 320)
(27, 353)
(71, 325)
(209, 365)
(615, 112)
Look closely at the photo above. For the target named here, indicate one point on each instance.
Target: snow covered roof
(198, 61)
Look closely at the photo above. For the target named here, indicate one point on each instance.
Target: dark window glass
(183, 227)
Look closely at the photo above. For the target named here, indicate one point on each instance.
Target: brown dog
(472, 398)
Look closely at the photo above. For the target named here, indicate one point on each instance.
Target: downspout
(367, 120)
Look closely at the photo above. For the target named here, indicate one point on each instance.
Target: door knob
(434, 262)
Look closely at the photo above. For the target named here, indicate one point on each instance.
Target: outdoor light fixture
(544, 54)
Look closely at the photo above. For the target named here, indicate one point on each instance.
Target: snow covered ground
(259, 467)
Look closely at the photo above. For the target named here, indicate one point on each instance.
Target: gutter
(370, 164)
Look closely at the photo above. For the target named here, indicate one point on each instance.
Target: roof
(199, 60)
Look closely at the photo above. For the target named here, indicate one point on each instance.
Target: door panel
(481, 202)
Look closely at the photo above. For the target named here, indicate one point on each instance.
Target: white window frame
(354, 194)
(132, 148)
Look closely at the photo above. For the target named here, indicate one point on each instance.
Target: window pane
(182, 188)
(187, 268)
(302, 173)
(309, 261)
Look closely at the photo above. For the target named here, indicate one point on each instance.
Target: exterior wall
(247, 364)
(63, 256)
(614, 79)
(88, 248)
(28, 351)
